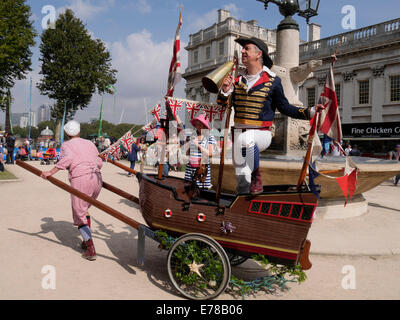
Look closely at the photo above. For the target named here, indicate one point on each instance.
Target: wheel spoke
(198, 267)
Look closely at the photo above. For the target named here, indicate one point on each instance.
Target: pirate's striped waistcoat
(257, 107)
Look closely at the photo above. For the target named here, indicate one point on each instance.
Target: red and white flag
(329, 122)
(175, 105)
(156, 112)
(211, 111)
(150, 126)
(175, 68)
(193, 108)
(221, 112)
(114, 151)
(127, 141)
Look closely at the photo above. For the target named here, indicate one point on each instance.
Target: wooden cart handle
(94, 202)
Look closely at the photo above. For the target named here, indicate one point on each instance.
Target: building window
(311, 97)
(363, 93)
(208, 53)
(195, 56)
(395, 88)
(221, 48)
(337, 88)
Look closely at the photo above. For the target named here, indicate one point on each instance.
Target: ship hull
(274, 223)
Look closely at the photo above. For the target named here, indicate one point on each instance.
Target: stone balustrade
(234, 26)
(371, 36)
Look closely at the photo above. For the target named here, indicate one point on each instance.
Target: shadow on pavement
(65, 232)
(383, 207)
(68, 236)
(123, 246)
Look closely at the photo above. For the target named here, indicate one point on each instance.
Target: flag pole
(307, 158)
(30, 116)
(63, 123)
(174, 77)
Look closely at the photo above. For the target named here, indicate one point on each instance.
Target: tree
(17, 35)
(74, 66)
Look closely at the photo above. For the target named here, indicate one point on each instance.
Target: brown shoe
(256, 186)
(90, 252)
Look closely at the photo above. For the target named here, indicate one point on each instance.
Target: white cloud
(87, 9)
(143, 6)
(142, 66)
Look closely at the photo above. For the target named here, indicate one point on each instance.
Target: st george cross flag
(329, 122)
(175, 68)
(127, 141)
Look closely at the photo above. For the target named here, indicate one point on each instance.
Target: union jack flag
(115, 151)
(150, 126)
(193, 108)
(221, 112)
(211, 111)
(156, 112)
(127, 141)
(175, 105)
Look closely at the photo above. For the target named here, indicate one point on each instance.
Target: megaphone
(213, 81)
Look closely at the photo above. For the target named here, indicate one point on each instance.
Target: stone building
(367, 78)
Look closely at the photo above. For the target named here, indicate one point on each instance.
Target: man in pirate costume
(256, 94)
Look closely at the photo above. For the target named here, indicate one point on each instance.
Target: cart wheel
(235, 260)
(198, 267)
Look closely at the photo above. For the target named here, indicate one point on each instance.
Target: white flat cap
(72, 128)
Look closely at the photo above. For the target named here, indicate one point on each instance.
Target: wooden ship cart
(208, 231)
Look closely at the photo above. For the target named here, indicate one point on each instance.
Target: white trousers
(244, 165)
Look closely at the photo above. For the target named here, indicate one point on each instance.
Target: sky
(139, 35)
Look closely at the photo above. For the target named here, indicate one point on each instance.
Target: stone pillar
(378, 95)
(287, 55)
(314, 32)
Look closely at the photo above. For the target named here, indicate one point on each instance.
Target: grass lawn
(6, 175)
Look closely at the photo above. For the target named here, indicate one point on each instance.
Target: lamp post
(305, 8)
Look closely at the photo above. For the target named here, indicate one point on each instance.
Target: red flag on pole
(175, 68)
(329, 117)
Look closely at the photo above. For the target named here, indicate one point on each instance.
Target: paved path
(36, 231)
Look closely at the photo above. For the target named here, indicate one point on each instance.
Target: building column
(378, 94)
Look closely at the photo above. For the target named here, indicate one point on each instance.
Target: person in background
(395, 155)
(10, 143)
(133, 155)
(355, 152)
(161, 146)
(142, 153)
(335, 149)
(348, 148)
(1, 157)
(80, 158)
